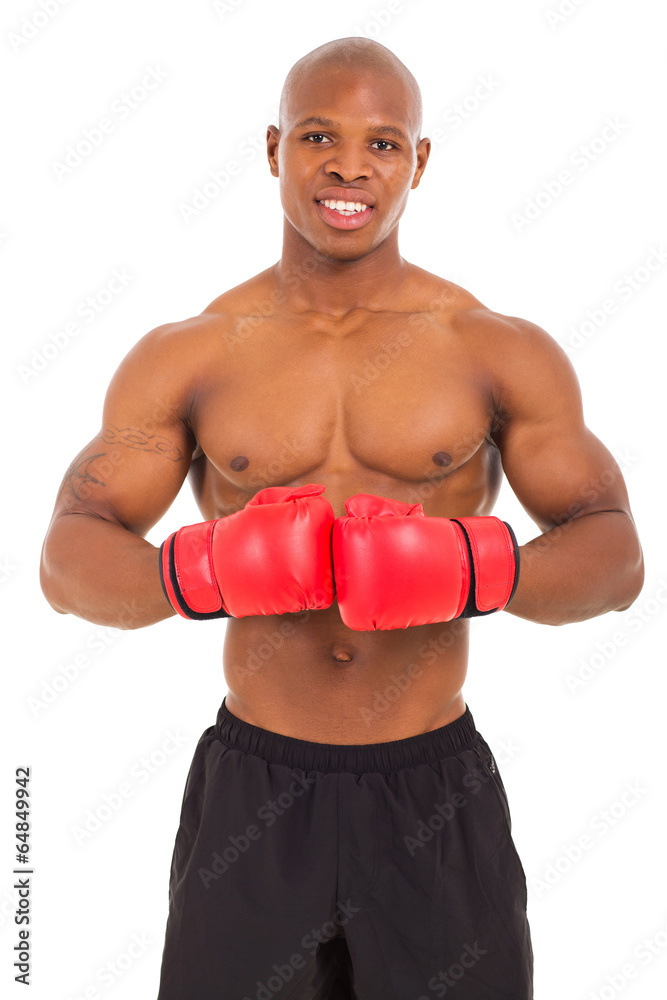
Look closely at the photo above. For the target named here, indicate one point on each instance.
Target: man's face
(347, 137)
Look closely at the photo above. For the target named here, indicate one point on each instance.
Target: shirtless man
(327, 850)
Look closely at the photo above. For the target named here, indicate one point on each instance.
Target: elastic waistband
(360, 758)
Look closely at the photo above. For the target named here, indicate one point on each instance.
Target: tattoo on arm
(83, 474)
(79, 478)
(133, 437)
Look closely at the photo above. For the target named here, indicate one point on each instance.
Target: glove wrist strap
(494, 564)
(187, 575)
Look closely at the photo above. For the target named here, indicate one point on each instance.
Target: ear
(272, 140)
(423, 152)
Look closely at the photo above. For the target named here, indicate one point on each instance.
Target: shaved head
(360, 55)
(349, 130)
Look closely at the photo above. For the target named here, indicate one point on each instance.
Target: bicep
(556, 466)
(132, 470)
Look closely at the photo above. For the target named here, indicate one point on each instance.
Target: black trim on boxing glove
(517, 567)
(471, 610)
(173, 579)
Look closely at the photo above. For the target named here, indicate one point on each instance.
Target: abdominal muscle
(310, 677)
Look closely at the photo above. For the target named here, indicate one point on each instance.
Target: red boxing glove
(394, 567)
(270, 558)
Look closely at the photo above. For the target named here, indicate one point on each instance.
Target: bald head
(360, 55)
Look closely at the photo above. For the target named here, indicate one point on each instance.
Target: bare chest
(394, 406)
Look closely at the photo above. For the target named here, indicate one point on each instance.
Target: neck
(308, 279)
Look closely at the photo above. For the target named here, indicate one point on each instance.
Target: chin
(328, 245)
(347, 256)
(342, 252)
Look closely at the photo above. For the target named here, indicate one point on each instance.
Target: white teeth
(345, 207)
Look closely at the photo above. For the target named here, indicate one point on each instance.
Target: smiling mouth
(345, 207)
(344, 215)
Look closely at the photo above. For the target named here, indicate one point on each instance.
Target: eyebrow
(331, 124)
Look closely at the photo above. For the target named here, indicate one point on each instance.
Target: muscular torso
(398, 403)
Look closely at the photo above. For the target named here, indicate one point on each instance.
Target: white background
(565, 755)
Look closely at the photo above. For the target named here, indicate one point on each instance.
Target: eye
(384, 142)
(316, 136)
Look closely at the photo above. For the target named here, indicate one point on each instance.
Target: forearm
(580, 569)
(99, 571)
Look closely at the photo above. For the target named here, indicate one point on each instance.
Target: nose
(349, 162)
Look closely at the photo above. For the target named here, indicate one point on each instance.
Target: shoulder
(165, 368)
(443, 299)
(470, 318)
(186, 345)
(248, 297)
(532, 378)
(509, 345)
(524, 367)
(523, 357)
(166, 358)
(469, 314)
(517, 338)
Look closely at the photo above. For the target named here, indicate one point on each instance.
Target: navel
(343, 652)
(442, 458)
(239, 463)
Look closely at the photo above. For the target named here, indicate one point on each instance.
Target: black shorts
(315, 871)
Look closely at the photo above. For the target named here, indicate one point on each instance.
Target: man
(348, 416)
